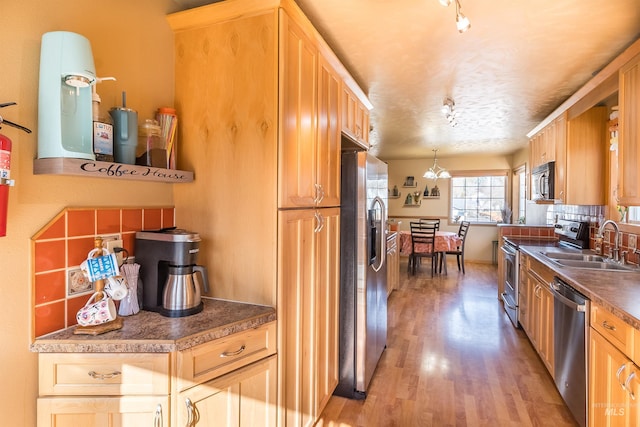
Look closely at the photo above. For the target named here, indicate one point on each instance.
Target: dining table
(445, 241)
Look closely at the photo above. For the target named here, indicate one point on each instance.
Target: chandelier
(435, 171)
(462, 22)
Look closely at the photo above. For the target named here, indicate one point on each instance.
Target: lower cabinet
(131, 411)
(229, 381)
(245, 397)
(536, 308)
(614, 386)
(309, 280)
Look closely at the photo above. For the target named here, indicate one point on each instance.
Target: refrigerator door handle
(380, 258)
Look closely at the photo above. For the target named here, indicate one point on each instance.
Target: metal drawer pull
(233, 353)
(97, 376)
(620, 369)
(626, 385)
(157, 420)
(608, 326)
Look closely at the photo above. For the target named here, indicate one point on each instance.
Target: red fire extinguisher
(5, 171)
(5, 181)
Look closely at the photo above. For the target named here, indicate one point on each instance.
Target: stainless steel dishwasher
(569, 343)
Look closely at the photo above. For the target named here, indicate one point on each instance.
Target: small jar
(152, 146)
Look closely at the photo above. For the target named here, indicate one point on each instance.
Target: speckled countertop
(616, 291)
(149, 332)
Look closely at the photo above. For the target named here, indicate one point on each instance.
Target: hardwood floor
(453, 359)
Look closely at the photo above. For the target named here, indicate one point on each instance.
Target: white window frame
(504, 173)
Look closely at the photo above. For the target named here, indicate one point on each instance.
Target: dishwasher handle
(566, 301)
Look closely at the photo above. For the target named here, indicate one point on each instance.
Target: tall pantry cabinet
(259, 96)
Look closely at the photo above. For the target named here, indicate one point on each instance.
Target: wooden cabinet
(142, 389)
(577, 145)
(393, 263)
(584, 162)
(355, 118)
(308, 313)
(536, 308)
(629, 133)
(244, 397)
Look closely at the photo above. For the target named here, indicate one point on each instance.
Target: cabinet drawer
(105, 374)
(207, 361)
(614, 329)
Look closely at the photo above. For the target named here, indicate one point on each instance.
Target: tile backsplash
(59, 289)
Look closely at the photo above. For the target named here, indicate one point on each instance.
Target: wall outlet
(633, 241)
(113, 241)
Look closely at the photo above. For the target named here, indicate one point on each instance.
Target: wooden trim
(607, 73)
(95, 169)
(470, 173)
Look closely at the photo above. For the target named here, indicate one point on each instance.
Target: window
(522, 194)
(478, 197)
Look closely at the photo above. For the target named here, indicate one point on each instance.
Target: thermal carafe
(172, 282)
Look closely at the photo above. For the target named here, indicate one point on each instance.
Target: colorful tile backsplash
(61, 245)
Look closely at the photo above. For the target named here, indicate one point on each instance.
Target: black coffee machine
(168, 270)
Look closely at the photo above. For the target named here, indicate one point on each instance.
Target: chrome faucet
(616, 239)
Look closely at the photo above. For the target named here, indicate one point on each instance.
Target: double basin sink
(586, 261)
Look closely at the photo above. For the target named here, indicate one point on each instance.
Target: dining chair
(459, 252)
(435, 221)
(423, 237)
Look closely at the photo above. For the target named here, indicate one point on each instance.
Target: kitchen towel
(129, 304)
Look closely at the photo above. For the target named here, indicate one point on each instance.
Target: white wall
(480, 237)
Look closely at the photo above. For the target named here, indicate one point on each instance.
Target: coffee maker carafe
(169, 273)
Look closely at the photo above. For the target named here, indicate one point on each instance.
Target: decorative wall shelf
(391, 196)
(96, 169)
(413, 205)
(430, 197)
(415, 185)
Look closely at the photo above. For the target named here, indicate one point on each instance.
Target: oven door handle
(507, 251)
(566, 301)
(504, 300)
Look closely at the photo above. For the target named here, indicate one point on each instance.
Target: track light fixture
(449, 111)
(462, 22)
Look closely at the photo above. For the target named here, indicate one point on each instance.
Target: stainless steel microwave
(542, 182)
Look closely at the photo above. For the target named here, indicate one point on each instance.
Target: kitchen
(36, 199)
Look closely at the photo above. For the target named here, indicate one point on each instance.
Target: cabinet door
(296, 320)
(629, 137)
(298, 94)
(328, 141)
(125, 411)
(244, 397)
(327, 306)
(608, 369)
(525, 294)
(560, 142)
(545, 330)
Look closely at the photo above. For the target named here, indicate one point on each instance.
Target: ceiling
(516, 64)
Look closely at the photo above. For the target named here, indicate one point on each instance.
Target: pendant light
(435, 171)
(462, 22)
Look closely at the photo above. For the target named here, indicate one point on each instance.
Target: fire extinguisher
(5, 171)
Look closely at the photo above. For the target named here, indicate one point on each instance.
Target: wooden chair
(423, 238)
(459, 252)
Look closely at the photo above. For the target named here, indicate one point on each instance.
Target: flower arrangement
(622, 210)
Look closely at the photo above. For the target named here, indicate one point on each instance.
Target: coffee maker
(168, 270)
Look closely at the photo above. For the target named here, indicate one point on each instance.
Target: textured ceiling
(519, 61)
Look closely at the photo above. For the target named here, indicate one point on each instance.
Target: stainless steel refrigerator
(363, 271)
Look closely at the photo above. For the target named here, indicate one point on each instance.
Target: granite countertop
(150, 332)
(616, 291)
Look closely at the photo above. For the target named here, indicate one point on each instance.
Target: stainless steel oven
(510, 257)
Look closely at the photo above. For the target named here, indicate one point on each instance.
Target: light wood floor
(453, 359)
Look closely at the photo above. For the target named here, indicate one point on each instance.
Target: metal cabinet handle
(626, 385)
(319, 222)
(618, 372)
(608, 326)
(97, 376)
(157, 420)
(319, 193)
(233, 353)
(536, 291)
(192, 413)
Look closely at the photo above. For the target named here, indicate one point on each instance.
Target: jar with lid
(152, 146)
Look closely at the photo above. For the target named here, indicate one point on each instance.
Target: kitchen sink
(586, 261)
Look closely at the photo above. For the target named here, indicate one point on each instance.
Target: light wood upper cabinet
(629, 133)
(355, 118)
(585, 162)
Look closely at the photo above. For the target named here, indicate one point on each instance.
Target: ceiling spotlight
(462, 22)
